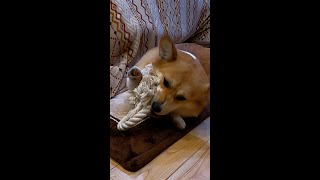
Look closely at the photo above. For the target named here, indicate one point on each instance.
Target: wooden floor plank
(196, 167)
(171, 159)
(113, 164)
(202, 169)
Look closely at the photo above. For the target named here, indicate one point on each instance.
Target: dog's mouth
(153, 114)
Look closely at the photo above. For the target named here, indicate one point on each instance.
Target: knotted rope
(142, 96)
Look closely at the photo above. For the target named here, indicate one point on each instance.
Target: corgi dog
(184, 72)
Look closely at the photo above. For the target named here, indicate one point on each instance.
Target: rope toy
(142, 96)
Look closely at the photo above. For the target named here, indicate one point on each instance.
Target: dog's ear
(167, 49)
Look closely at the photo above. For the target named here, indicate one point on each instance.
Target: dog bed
(136, 147)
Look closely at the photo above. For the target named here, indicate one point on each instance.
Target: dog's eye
(166, 83)
(180, 98)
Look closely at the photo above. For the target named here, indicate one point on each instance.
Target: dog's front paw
(181, 125)
(135, 73)
(134, 77)
(178, 122)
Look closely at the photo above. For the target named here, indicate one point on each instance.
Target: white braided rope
(142, 97)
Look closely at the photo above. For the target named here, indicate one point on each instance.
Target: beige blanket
(137, 25)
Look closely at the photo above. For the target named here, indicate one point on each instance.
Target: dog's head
(184, 87)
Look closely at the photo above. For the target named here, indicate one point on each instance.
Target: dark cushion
(136, 147)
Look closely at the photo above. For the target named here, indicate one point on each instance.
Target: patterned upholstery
(136, 25)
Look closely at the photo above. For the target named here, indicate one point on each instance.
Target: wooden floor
(188, 158)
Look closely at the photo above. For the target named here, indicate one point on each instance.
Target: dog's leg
(178, 121)
(134, 77)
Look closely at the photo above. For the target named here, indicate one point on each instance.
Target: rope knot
(142, 96)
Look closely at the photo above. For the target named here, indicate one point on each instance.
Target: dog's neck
(190, 54)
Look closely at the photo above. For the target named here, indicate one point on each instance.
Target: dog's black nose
(156, 107)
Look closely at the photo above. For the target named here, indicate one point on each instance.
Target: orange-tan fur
(188, 77)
